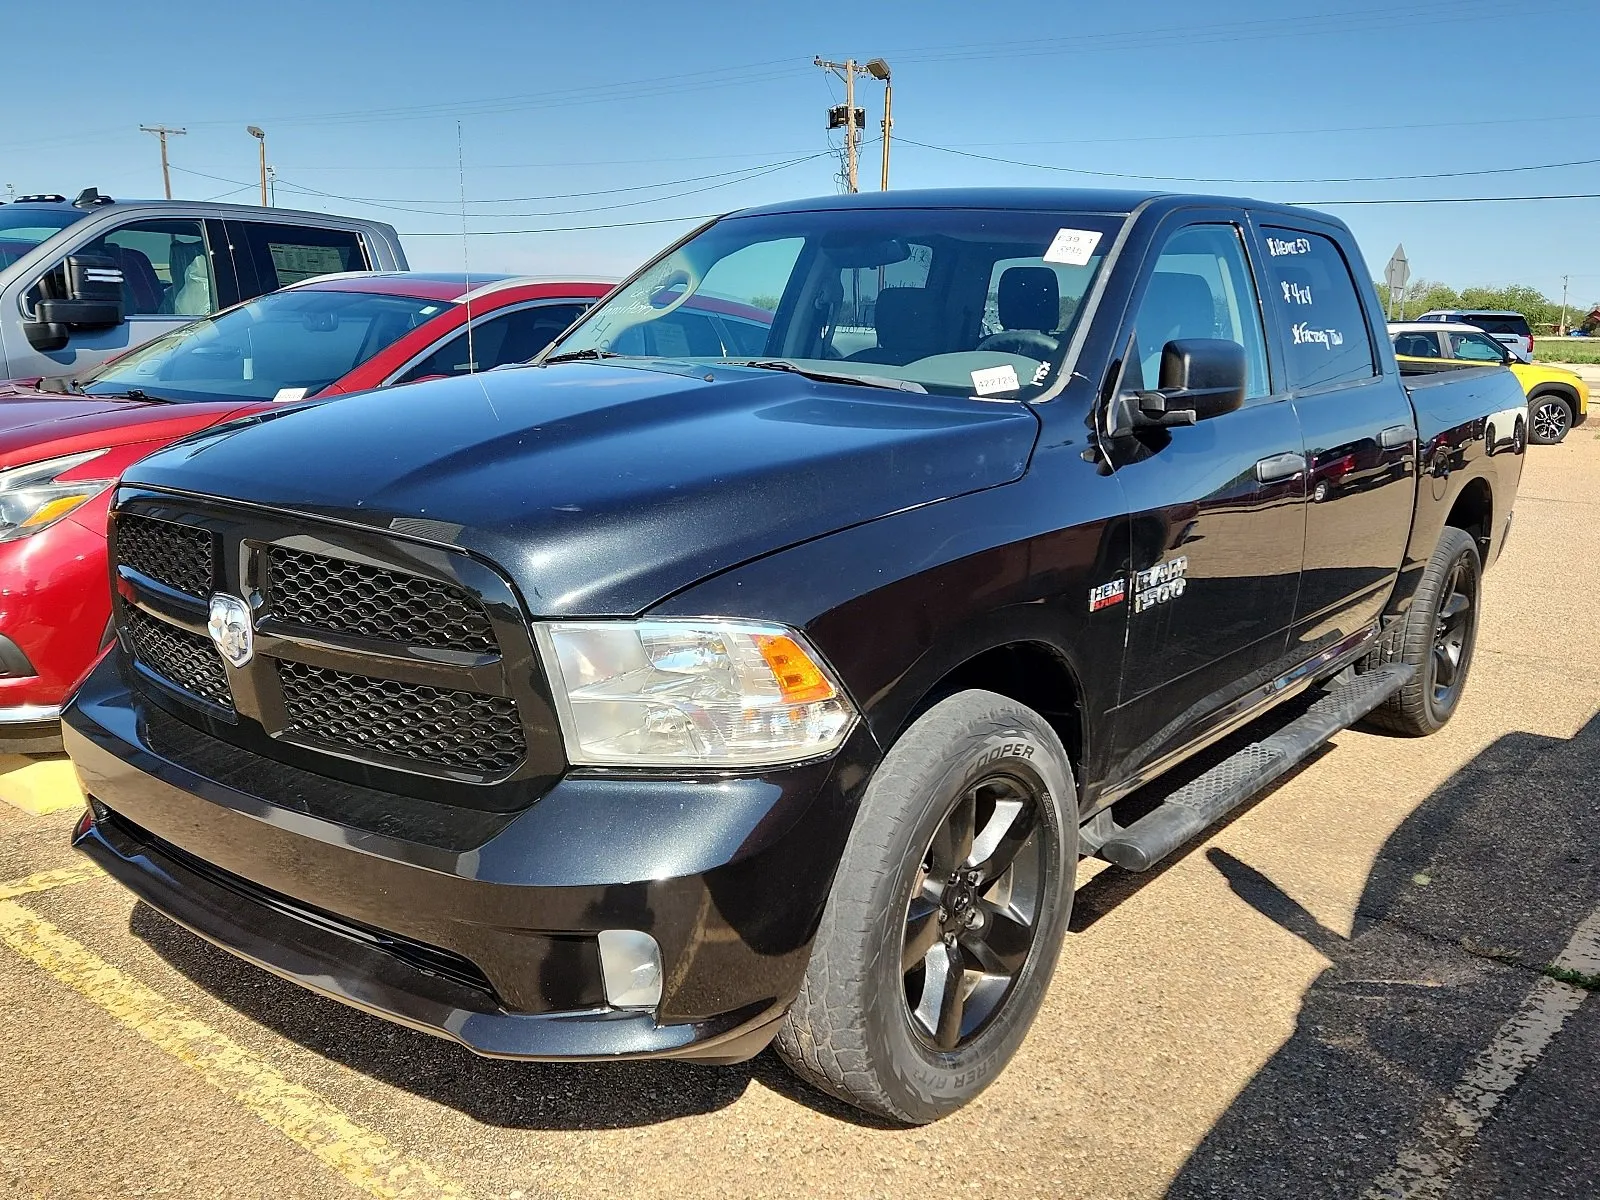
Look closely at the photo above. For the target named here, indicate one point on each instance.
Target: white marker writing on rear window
(1073, 247)
(993, 380)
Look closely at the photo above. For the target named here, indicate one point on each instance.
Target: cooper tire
(1437, 637)
(854, 1030)
(1549, 419)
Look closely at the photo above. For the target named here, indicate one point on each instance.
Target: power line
(744, 176)
(1012, 162)
(557, 228)
(1452, 200)
(1262, 29)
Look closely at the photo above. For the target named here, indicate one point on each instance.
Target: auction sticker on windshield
(992, 380)
(1073, 247)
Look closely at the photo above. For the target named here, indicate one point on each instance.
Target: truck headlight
(690, 693)
(33, 497)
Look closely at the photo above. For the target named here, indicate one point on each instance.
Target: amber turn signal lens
(800, 680)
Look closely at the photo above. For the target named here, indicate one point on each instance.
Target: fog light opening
(630, 962)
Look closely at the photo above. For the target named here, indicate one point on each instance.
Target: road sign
(1398, 272)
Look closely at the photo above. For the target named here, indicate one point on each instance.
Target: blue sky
(686, 105)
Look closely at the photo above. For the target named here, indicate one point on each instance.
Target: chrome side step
(1202, 801)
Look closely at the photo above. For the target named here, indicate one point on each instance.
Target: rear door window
(498, 341)
(1324, 324)
(285, 254)
(1417, 345)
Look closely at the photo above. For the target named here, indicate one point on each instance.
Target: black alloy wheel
(974, 909)
(1453, 634)
(1436, 637)
(946, 916)
(1550, 418)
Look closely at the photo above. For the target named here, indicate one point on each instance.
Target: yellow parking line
(45, 881)
(366, 1159)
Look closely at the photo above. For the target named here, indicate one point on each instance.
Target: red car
(63, 443)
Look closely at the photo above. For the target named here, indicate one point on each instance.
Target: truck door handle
(1397, 436)
(1279, 466)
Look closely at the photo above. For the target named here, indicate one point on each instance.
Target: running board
(1202, 801)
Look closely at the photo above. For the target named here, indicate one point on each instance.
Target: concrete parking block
(39, 785)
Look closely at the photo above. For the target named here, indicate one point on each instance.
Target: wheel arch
(1033, 671)
(1473, 512)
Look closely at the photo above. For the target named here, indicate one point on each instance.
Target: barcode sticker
(992, 380)
(1072, 247)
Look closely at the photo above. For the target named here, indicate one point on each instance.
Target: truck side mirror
(1200, 378)
(93, 300)
(1204, 375)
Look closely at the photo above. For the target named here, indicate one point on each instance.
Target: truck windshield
(22, 228)
(281, 346)
(970, 302)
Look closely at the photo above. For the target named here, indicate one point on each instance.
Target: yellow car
(1557, 399)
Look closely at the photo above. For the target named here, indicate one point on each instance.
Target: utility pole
(260, 136)
(879, 69)
(1564, 305)
(849, 116)
(162, 132)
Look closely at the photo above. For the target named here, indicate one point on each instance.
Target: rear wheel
(1436, 636)
(946, 916)
(1550, 418)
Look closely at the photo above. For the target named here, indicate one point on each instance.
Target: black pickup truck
(761, 662)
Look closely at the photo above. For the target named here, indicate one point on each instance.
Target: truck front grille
(378, 658)
(179, 556)
(183, 659)
(355, 713)
(318, 592)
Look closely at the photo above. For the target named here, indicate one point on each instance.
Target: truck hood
(603, 489)
(37, 424)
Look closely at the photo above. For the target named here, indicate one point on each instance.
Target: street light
(260, 135)
(879, 69)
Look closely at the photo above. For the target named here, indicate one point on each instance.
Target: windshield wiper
(877, 381)
(578, 355)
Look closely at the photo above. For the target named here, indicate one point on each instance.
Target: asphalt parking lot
(1376, 980)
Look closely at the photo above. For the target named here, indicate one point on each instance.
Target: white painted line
(1426, 1169)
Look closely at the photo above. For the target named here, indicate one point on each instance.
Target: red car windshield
(279, 347)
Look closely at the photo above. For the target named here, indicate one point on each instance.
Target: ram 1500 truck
(658, 701)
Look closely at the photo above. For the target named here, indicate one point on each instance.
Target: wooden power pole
(162, 132)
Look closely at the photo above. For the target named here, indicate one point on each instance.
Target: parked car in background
(1505, 326)
(660, 704)
(1557, 399)
(62, 443)
(83, 281)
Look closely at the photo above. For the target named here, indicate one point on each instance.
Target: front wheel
(1550, 418)
(1437, 637)
(946, 915)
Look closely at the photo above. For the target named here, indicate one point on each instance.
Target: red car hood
(36, 424)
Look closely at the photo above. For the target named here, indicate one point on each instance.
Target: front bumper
(476, 926)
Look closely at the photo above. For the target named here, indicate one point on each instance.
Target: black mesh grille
(318, 592)
(178, 656)
(176, 555)
(463, 730)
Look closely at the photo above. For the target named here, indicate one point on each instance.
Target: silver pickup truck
(84, 280)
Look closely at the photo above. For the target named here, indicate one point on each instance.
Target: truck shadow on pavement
(1470, 898)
